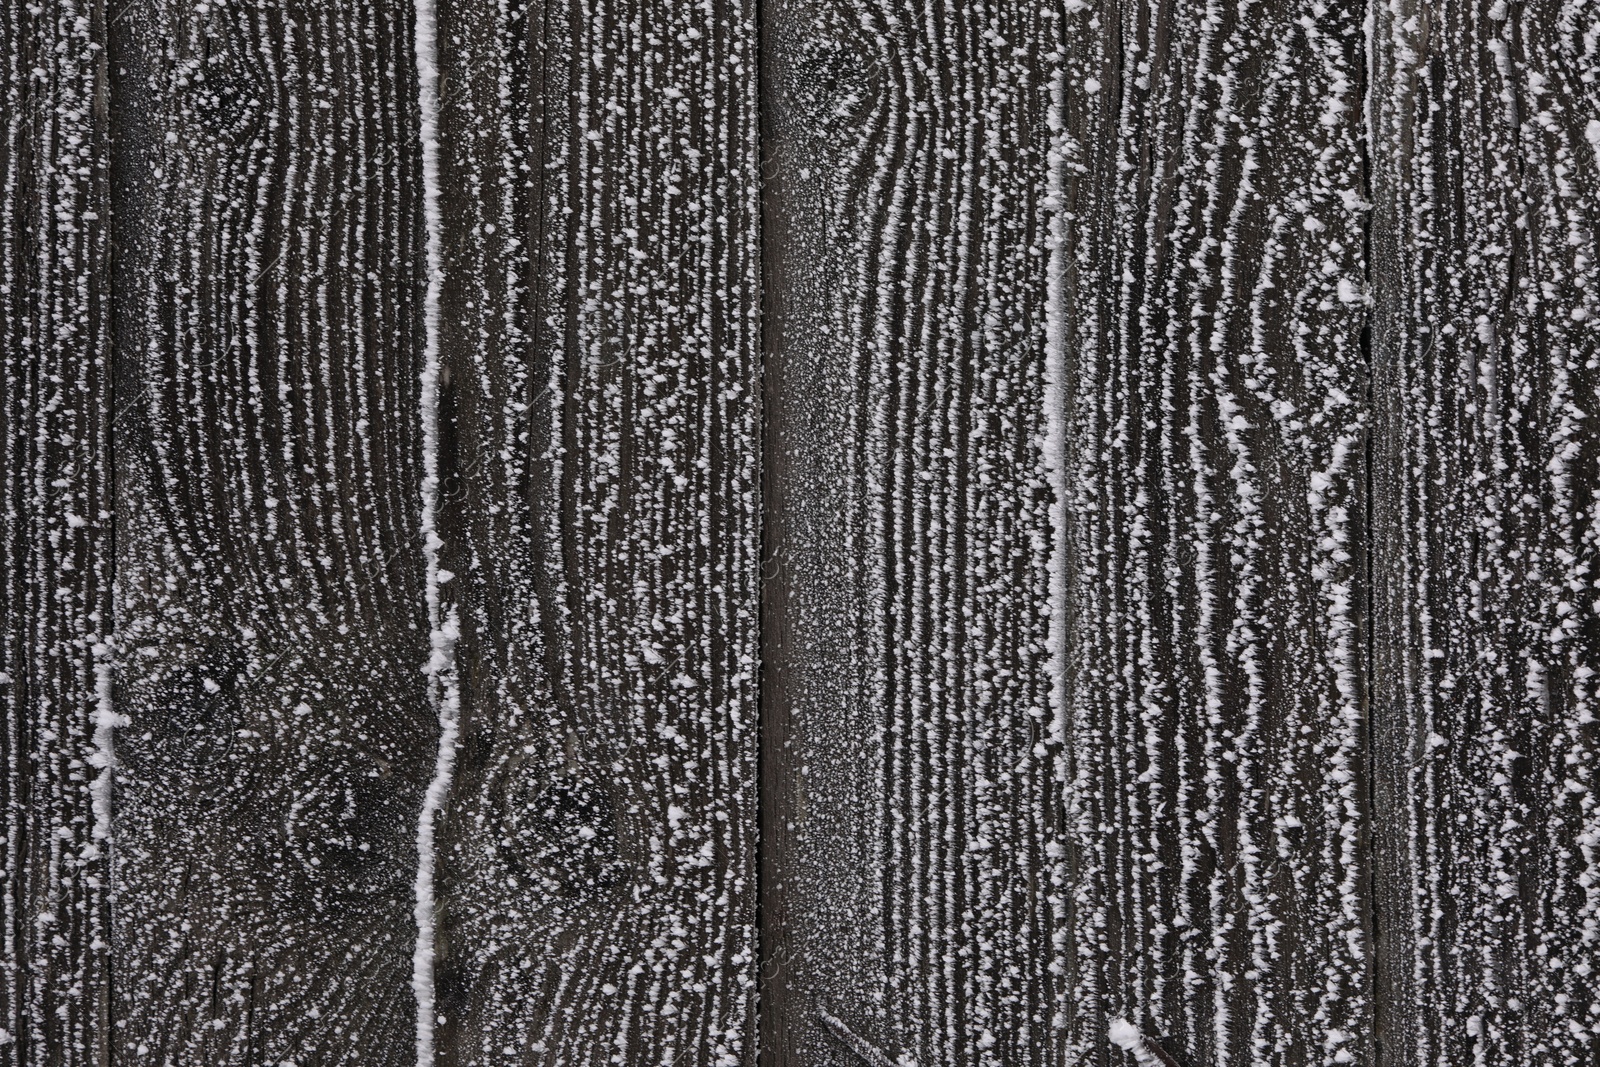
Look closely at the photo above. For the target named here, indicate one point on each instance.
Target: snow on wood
(864, 1050)
(1486, 525)
(1214, 225)
(1141, 457)
(55, 535)
(270, 595)
(1145, 1053)
(443, 626)
(908, 785)
(599, 424)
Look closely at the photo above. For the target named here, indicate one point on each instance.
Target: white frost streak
(441, 662)
(103, 755)
(1055, 450)
(868, 1052)
(1127, 1037)
(1055, 405)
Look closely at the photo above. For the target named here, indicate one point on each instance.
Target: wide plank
(55, 535)
(908, 782)
(1486, 476)
(1209, 375)
(270, 606)
(599, 414)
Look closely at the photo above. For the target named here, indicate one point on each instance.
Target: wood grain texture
(271, 631)
(600, 425)
(1486, 486)
(908, 793)
(1212, 376)
(55, 533)
(1123, 478)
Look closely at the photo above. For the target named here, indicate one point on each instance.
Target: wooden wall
(800, 533)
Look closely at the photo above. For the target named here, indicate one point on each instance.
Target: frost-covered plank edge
(440, 668)
(55, 527)
(1214, 300)
(1485, 147)
(600, 417)
(909, 803)
(270, 596)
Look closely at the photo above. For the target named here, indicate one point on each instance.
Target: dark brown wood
(1486, 474)
(270, 611)
(601, 436)
(55, 535)
(1121, 475)
(908, 787)
(1213, 382)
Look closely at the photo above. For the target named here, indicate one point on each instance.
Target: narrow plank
(55, 534)
(1486, 645)
(270, 607)
(908, 788)
(1211, 375)
(599, 425)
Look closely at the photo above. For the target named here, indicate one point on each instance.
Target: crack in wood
(866, 1050)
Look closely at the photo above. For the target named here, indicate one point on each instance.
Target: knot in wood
(563, 831)
(826, 80)
(185, 714)
(339, 829)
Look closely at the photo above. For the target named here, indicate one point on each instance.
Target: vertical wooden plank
(269, 601)
(1212, 374)
(907, 781)
(55, 395)
(1487, 175)
(599, 417)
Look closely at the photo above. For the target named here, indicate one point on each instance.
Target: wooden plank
(908, 792)
(55, 393)
(1072, 519)
(270, 605)
(599, 418)
(1211, 374)
(1487, 180)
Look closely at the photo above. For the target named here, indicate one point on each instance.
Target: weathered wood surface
(55, 529)
(1122, 475)
(1485, 527)
(1210, 377)
(908, 786)
(270, 612)
(601, 423)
